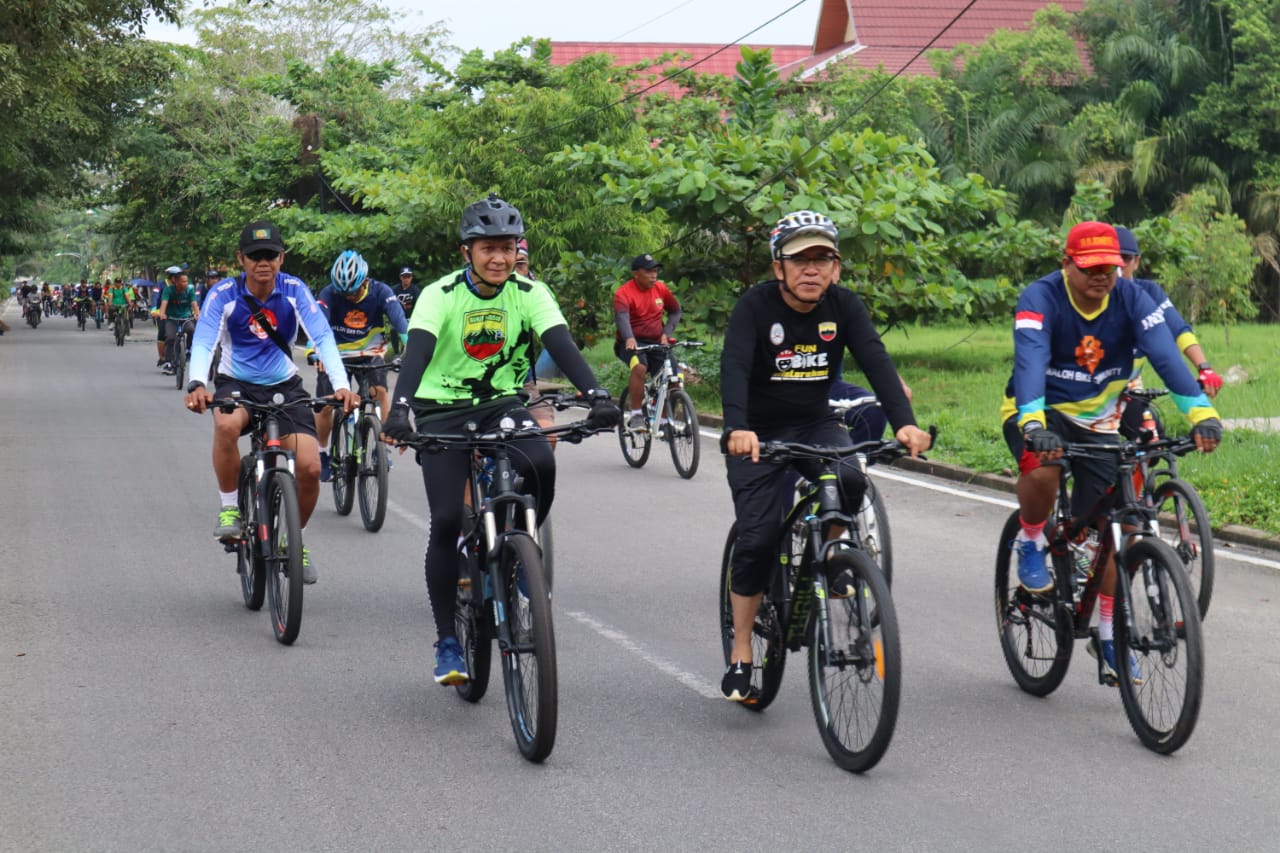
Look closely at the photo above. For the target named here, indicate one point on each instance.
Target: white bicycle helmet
(800, 223)
(349, 272)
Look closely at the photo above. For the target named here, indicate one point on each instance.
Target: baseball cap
(1128, 242)
(808, 241)
(261, 235)
(1093, 244)
(522, 247)
(645, 262)
(406, 271)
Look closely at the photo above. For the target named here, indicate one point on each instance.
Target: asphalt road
(142, 707)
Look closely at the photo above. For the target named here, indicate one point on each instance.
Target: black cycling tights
(445, 475)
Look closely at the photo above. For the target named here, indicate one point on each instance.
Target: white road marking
(688, 679)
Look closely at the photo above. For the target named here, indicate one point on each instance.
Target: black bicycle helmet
(492, 217)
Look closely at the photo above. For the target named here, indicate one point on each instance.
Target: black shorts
(1090, 477)
(376, 378)
(652, 359)
(295, 420)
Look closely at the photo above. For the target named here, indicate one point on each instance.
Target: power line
(652, 20)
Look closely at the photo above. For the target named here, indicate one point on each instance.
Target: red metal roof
(724, 61)
(891, 32)
(867, 33)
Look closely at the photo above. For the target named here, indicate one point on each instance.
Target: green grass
(958, 375)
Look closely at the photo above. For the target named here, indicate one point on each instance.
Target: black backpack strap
(256, 308)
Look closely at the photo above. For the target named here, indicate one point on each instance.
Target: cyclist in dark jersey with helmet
(784, 346)
(359, 310)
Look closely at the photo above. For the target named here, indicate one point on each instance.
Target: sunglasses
(262, 255)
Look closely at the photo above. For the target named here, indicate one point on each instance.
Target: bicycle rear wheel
(635, 443)
(253, 584)
(341, 465)
(855, 665)
(682, 433)
(372, 476)
(1035, 635)
(473, 625)
(873, 531)
(529, 656)
(768, 652)
(1194, 547)
(283, 564)
(1162, 632)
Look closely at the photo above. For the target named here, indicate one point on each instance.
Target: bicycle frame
(1127, 514)
(659, 384)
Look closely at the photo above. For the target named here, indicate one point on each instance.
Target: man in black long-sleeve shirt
(784, 346)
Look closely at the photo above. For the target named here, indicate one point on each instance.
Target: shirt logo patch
(257, 330)
(1089, 353)
(775, 334)
(827, 331)
(356, 319)
(484, 333)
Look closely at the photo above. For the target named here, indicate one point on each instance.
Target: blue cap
(1128, 242)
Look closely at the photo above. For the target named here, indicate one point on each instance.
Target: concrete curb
(956, 474)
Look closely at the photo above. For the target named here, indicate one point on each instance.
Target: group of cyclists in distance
(465, 347)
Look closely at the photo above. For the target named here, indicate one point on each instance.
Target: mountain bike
(1157, 620)
(1183, 518)
(269, 550)
(182, 351)
(357, 457)
(502, 588)
(82, 313)
(854, 651)
(120, 326)
(668, 413)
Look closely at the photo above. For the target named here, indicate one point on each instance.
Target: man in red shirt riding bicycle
(638, 307)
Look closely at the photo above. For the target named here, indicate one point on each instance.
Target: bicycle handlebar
(669, 346)
(227, 405)
(506, 432)
(1129, 450)
(880, 451)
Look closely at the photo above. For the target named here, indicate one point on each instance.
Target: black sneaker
(840, 583)
(736, 684)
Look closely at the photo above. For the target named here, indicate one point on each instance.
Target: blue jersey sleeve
(1155, 340)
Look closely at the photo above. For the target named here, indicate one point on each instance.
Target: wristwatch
(193, 385)
(1204, 365)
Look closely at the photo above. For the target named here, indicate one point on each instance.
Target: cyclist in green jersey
(178, 304)
(466, 360)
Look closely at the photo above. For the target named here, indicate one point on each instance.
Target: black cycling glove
(1209, 429)
(397, 425)
(604, 412)
(1041, 440)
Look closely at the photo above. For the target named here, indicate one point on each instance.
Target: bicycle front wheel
(635, 443)
(283, 563)
(373, 474)
(681, 432)
(473, 625)
(768, 652)
(1035, 635)
(180, 360)
(119, 331)
(547, 543)
(253, 584)
(873, 531)
(529, 655)
(342, 465)
(1179, 499)
(1159, 643)
(855, 665)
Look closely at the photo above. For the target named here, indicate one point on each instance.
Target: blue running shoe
(1109, 663)
(326, 473)
(451, 667)
(1033, 574)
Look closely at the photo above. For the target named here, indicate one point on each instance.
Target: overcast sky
(494, 24)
